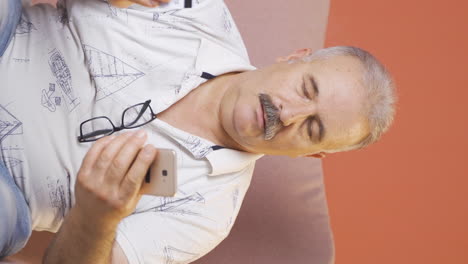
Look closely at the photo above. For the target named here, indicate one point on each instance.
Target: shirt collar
(208, 59)
(222, 161)
(229, 160)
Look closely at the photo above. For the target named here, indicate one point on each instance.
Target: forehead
(344, 66)
(340, 100)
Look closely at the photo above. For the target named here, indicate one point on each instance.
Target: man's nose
(296, 112)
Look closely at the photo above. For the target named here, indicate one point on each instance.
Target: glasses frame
(145, 104)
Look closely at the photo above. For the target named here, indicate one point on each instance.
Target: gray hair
(379, 94)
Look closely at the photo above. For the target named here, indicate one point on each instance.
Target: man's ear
(320, 155)
(295, 55)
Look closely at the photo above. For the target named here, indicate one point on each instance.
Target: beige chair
(284, 217)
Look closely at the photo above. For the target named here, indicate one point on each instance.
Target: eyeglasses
(101, 126)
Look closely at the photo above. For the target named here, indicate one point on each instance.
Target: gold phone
(161, 178)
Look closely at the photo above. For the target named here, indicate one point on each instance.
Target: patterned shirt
(87, 59)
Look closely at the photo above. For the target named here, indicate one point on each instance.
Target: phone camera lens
(164, 172)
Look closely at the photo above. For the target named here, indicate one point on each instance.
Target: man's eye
(304, 90)
(309, 127)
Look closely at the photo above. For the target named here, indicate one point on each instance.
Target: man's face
(281, 109)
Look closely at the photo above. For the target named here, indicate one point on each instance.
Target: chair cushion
(284, 217)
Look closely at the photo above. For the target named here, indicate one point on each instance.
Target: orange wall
(405, 199)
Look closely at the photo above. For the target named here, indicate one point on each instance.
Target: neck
(208, 105)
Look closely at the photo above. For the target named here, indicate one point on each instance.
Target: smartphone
(161, 178)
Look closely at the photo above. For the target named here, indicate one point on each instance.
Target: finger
(93, 154)
(125, 157)
(147, 3)
(50, 2)
(105, 158)
(131, 183)
(127, 3)
(120, 3)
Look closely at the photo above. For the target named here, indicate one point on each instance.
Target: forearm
(106, 191)
(81, 241)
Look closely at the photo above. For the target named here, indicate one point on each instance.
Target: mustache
(272, 121)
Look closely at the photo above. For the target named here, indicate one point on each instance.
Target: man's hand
(127, 3)
(110, 177)
(106, 190)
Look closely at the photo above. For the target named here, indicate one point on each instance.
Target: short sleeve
(184, 228)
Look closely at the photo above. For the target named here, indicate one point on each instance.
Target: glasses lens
(137, 115)
(96, 128)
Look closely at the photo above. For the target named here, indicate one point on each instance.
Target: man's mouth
(270, 116)
(263, 116)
